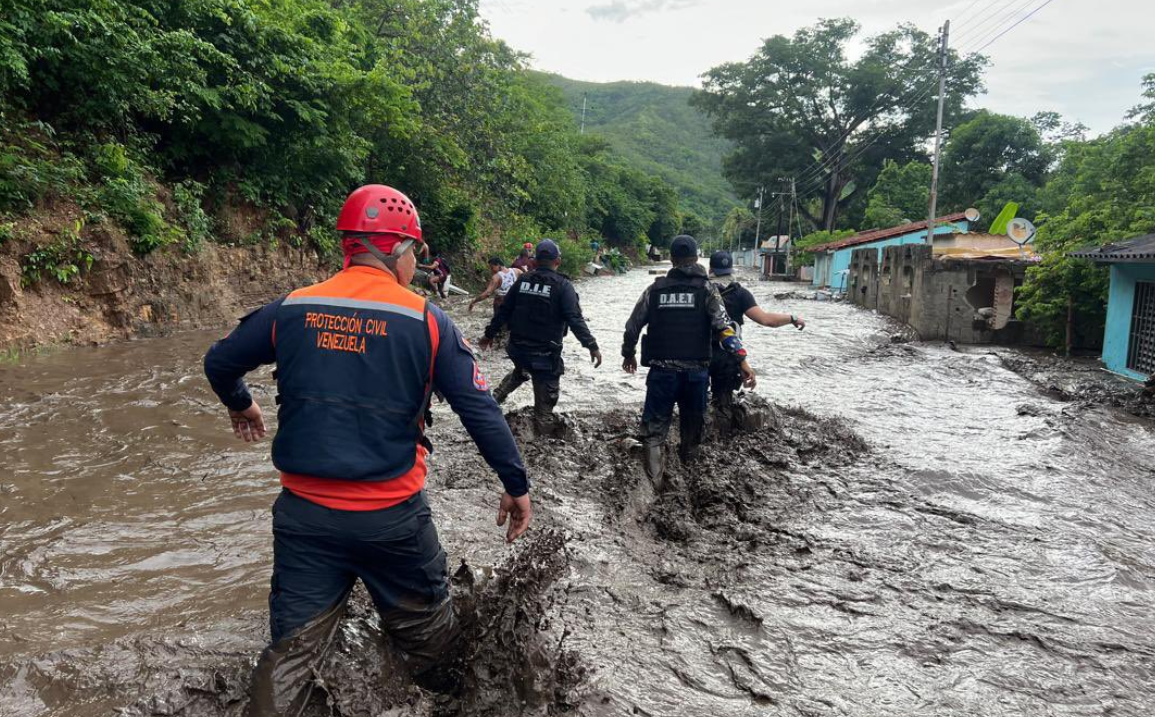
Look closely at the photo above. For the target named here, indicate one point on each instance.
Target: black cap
(721, 264)
(547, 250)
(683, 246)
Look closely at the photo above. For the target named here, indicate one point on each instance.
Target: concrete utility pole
(793, 202)
(583, 129)
(778, 236)
(942, 60)
(758, 224)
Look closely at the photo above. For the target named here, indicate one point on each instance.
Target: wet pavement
(924, 532)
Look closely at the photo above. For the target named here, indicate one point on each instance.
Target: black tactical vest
(537, 315)
(678, 323)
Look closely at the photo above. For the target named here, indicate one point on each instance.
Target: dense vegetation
(164, 116)
(656, 129)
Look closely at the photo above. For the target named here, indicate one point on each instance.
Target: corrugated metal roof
(1138, 249)
(879, 234)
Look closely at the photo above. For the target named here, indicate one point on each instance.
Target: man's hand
(248, 425)
(630, 364)
(596, 357)
(518, 510)
(485, 343)
(471, 305)
(799, 323)
(748, 379)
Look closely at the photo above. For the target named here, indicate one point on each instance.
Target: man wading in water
(685, 315)
(541, 306)
(725, 369)
(499, 284)
(357, 357)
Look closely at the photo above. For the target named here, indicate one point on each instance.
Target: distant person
(524, 260)
(542, 306)
(352, 452)
(725, 372)
(439, 275)
(500, 282)
(685, 316)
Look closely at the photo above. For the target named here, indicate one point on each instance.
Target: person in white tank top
(499, 285)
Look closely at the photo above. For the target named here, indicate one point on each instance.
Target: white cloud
(622, 10)
(1081, 59)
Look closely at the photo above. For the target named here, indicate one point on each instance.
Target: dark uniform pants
(318, 554)
(666, 388)
(544, 369)
(725, 378)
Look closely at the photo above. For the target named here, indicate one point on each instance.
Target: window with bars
(1141, 348)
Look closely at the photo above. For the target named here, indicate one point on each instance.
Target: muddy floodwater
(920, 531)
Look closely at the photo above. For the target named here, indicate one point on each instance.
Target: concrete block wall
(939, 299)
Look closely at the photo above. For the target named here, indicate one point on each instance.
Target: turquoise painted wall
(838, 262)
(1120, 303)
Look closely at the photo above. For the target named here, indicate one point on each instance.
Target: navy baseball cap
(721, 263)
(547, 250)
(683, 246)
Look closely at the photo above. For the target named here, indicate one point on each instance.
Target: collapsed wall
(965, 300)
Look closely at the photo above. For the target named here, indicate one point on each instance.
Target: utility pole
(778, 236)
(583, 128)
(758, 224)
(793, 202)
(933, 209)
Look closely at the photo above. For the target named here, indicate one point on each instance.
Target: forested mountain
(656, 130)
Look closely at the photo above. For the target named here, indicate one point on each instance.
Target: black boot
(654, 464)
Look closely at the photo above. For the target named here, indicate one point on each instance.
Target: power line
(1017, 23)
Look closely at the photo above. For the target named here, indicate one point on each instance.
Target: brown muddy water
(920, 532)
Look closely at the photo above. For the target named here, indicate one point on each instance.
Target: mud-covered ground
(918, 531)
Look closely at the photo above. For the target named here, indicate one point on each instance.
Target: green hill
(657, 131)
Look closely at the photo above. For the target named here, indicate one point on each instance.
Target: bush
(188, 198)
(132, 203)
(32, 170)
(62, 260)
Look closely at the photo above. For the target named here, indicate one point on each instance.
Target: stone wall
(969, 301)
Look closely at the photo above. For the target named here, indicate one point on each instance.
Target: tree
(993, 150)
(1102, 191)
(900, 195)
(800, 107)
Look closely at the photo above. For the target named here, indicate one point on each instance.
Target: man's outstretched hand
(249, 424)
(518, 511)
(596, 357)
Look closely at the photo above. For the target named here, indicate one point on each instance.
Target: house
(832, 260)
(775, 251)
(1129, 338)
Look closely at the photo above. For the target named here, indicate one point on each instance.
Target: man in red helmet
(357, 357)
(525, 261)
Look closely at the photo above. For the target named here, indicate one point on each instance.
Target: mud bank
(123, 295)
(1081, 382)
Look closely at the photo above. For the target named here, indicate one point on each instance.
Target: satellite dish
(972, 214)
(1020, 231)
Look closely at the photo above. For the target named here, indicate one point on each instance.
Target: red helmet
(378, 209)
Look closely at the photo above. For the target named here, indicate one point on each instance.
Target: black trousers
(543, 368)
(318, 554)
(666, 388)
(725, 378)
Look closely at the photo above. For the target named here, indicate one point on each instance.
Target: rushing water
(993, 554)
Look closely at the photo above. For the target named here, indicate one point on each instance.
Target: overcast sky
(1082, 58)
